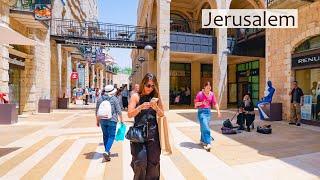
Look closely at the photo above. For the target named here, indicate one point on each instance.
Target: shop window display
(309, 82)
(180, 84)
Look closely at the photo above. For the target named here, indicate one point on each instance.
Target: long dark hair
(150, 77)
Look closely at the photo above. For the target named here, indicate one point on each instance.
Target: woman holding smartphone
(145, 106)
(204, 100)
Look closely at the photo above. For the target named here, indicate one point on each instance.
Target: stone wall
(4, 65)
(280, 44)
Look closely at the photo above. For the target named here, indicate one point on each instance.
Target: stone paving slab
(71, 148)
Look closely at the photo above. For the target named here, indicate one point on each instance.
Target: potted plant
(8, 111)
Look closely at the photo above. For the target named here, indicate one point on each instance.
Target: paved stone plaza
(66, 145)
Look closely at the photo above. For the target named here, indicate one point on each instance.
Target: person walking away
(119, 96)
(204, 100)
(125, 94)
(135, 89)
(86, 94)
(145, 106)
(247, 113)
(296, 103)
(108, 126)
(93, 95)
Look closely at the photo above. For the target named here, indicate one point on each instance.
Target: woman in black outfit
(145, 106)
(246, 113)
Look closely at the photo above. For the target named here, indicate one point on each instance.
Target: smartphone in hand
(154, 100)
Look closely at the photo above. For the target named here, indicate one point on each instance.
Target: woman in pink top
(205, 99)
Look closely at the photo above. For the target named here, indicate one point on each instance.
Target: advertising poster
(306, 108)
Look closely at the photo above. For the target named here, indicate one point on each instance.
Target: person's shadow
(190, 145)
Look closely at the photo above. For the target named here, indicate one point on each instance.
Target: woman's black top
(147, 117)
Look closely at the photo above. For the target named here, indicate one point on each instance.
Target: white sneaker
(207, 147)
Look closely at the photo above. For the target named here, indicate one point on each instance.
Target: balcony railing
(255, 48)
(186, 26)
(193, 43)
(117, 35)
(244, 34)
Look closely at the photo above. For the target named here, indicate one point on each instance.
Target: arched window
(309, 44)
(179, 24)
(198, 25)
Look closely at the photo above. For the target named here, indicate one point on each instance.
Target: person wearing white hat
(108, 125)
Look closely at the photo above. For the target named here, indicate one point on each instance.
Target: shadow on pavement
(190, 145)
(284, 142)
(5, 151)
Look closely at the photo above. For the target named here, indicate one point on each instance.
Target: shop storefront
(16, 66)
(180, 83)
(243, 78)
(306, 67)
(206, 73)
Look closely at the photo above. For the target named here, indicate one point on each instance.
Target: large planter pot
(63, 103)
(44, 106)
(8, 114)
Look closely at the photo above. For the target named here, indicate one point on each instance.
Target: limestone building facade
(187, 56)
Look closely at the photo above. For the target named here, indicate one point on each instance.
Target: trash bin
(8, 114)
(44, 106)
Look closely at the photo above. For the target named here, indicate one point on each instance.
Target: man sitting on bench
(266, 100)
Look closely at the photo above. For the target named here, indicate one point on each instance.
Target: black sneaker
(248, 129)
(106, 157)
(298, 124)
(292, 123)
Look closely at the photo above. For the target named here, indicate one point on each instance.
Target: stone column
(220, 64)
(92, 76)
(4, 65)
(163, 53)
(55, 72)
(101, 78)
(4, 68)
(195, 79)
(69, 71)
(86, 71)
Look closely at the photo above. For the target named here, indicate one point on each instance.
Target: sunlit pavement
(66, 144)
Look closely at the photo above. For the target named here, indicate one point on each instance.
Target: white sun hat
(110, 90)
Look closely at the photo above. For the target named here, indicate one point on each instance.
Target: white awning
(10, 36)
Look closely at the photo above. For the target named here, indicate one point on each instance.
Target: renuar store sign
(306, 60)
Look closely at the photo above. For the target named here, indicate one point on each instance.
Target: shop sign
(306, 108)
(74, 75)
(42, 10)
(306, 60)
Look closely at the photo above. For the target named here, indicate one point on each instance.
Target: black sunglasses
(149, 85)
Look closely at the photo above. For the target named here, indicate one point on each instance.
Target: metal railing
(189, 26)
(194, 43)
(246, 33)
(103, 32)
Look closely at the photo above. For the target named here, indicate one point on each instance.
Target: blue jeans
(109, 133)
(204, 117)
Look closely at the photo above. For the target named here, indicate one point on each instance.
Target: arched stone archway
(256, 4)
